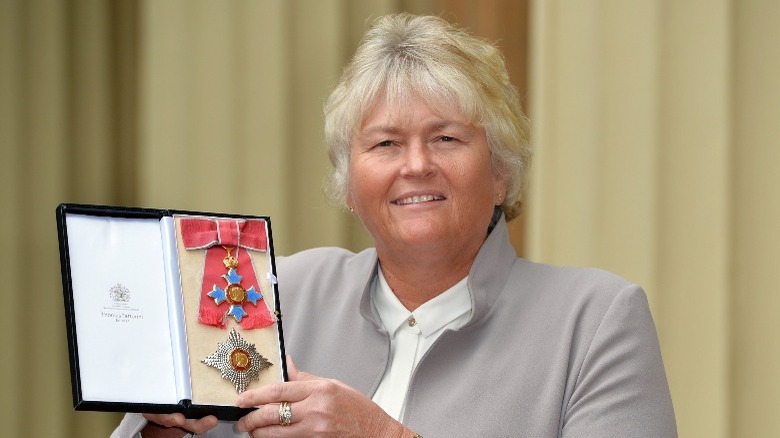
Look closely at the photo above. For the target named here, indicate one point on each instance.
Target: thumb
(292, 370)
(294, 373)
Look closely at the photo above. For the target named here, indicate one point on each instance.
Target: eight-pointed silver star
(238, 360)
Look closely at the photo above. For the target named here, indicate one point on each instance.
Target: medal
(223, 294)
(234, 293)
(238, 361)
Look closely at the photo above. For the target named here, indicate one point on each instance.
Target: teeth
(419, 199)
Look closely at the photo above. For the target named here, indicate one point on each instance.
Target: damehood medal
(238, 361)
(229, 287)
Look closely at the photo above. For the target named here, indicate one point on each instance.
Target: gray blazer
(548, 351)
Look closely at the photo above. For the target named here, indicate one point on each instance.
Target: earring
(351, 209)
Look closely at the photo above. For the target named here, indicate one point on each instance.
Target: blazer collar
(487, 276)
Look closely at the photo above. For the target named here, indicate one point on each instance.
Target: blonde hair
(425, 56)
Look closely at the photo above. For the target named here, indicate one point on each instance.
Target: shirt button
(412, 322)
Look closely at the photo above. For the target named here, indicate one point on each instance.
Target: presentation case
(168, 310)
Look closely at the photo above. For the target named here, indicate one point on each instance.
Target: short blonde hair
(425, 56)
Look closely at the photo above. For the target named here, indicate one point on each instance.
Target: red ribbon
(212, 235)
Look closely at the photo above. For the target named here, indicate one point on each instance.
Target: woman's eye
(385, 143)
(446, 138)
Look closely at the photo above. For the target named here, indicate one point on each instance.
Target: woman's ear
(499, 190)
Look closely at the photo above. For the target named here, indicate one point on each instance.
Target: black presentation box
(161, 304)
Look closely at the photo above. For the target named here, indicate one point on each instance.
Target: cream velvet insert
(208, 387)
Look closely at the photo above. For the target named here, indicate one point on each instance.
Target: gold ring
(285, 413)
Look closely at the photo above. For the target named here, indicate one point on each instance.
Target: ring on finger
(285, 413)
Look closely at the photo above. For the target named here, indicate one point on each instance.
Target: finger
(274, 393)
(277, 431)
(295, 374)
(201, 425)
(167, 420)
(265, 416)
(292, 370)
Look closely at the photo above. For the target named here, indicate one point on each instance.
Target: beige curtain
(60, 96)
(657, 153)
(186, 104)
(656, 147)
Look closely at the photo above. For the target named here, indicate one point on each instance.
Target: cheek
(478, 174)
(364, 182)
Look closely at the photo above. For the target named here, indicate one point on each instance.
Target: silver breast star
(238, 360)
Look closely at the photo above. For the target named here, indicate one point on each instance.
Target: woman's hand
(320, 408)
(175, 425)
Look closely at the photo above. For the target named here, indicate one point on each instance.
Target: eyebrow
(394, 129)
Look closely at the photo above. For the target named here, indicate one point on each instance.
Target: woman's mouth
(418, 199)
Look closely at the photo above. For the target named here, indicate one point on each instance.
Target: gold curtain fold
(66, 134)
(175, 104)
(656, 156)
(178, 104)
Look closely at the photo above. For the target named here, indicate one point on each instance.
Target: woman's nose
(418, 160)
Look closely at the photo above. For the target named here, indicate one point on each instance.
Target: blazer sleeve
(621, 389)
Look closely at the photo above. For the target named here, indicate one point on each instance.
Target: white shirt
(412, 334)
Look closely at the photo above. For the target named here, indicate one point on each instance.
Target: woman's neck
(415, 279)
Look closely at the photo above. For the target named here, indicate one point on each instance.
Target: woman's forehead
(400, 108)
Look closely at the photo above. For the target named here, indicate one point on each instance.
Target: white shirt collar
(431, 317)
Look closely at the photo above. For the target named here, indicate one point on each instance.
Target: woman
(441, 330)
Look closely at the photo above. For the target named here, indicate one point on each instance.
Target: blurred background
(656, 133)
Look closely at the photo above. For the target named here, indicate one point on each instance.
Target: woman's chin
(418, 234)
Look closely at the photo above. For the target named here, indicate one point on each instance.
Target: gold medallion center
(236, 294)
(239, 360)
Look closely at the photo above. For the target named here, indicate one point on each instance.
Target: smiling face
(422, 180)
